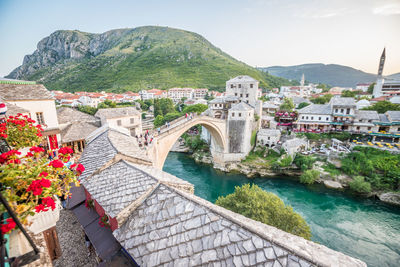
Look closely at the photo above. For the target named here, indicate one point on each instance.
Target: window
(312, 118)
(132, 120)
(119, 122)
(247, 95)
(247, 101)
(307, 118)
(233, 114)
(39, 117)
(341, 110)
(241, 95)
(231, 85)
(336, 110)
(327, 118)
(251, 85)
(348, 111)
(235, 94)
(398, 129)
(319, 118)
(240, 86)
(358, 128)
(302, 117)
(369, 120)
(269, 138)
(369, 128)
(240, 114)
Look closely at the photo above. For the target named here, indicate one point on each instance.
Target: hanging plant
(89, 203)
(20, 131)
(104, 221)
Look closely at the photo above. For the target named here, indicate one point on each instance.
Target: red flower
(35, 187)
(56, 163)
(73, 166)
(5, 228)
(44, 174)
(65, 150)
(80, 168)
(29, 154)
(36, 149)
(49, 202)
(45, 183)
(40, 208)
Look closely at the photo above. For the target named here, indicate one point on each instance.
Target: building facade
(126, 117)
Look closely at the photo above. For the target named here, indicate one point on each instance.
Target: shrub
(285, 161)
(266, 207)
(158, 121)
(304, 162)
(309, 176)
(360, 185)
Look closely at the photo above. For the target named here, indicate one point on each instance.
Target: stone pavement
(72, 242)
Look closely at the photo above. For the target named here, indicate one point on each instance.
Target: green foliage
(197, 108)
(322, 99)
(144, 115)
(253, 137)
(371, 88)
(159, 121)
(348, 93)
(380, 168)
(256, 117)
(383, 106)
(304, 162)
(266, 207)
(287, 104)
(107, 104)
(143, 105)
(264, 98)
(285, 161)
(163, 106)
(309, 176)
(171, 116)
(360, 185)
(325, 88)
(195, 142)
(303, 105)
(330, 168)
(87, 109)
(148, 57)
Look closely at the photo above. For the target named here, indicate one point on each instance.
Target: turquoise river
(362, 228)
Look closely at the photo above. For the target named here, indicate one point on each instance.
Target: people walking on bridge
(159, 130)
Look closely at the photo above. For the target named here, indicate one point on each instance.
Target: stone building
(365, 121)
(268, 137)
(126, 117)
(314, 117)
(245, 88)
(218, 107)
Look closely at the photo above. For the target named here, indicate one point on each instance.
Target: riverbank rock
(333, 184)
(391, 198)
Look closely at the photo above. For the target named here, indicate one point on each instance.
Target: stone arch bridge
(167, 137)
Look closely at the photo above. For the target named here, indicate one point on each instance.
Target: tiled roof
(269, 105)
(297, 100)
(242, 106)
(24, 92)
(342, 101)
(269, 132)
(243, 78)
(393, 115)
(117, 186)
(367, 115)
(110, 113)
(383, 118)
(77, 131)
(68, 115)
(13, 110)
(323, 109)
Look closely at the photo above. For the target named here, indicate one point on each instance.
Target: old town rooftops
(68, 115)
(367, 115)
(16, 91)
(393, 116)
(342, 101)
(110, 113)
(77, 131)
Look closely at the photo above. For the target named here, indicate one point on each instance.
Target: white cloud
(388, 9)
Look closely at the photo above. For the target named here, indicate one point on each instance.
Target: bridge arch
(164, 142)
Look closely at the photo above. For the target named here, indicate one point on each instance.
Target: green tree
(371, 88)
(157, 108)
(287, 104)
(265, 207)
(303, 105)
(143, 105)
(87, 109)
(171, 116)
(348, 93)
(159, 121)
(309, 176)
(360, 185)
(285, 161)
(322, 99)
(304, 162)
(197, 108)
(383, 106)
(167, 106)
(325, 88)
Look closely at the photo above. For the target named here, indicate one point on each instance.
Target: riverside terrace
(156, 219)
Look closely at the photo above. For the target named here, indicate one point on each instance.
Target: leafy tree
(309, 176)
(325, 88)
(87, 109)
(197, 108)
(322, 99)
(266, 207)
(144, 115)
(383, 106)
(285, 161)
(159, 121)
(348, 93)
(171, 116)
(304, 162)
(303, 105)
(360, 185)
(371, 88)
(157, 108)
(287, 104)
(143, 105)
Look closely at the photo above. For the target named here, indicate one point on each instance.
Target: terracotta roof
(24, 92)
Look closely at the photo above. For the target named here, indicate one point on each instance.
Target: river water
(362, 228)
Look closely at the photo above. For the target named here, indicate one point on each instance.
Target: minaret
(302, 80)
(379, 80)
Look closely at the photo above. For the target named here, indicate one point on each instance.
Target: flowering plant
(30, 182)
(104, 221)
(20, 131)
(89, 203)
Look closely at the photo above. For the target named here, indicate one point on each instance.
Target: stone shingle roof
(77, 131)
(367, 115)
(383, 118)
(269, 132)
(110, 113)
(242, 106)
(24, 92)
(323, 109)
(117, 186)
(269, 105)
(68, 115)
(342, 101)
(13, 110)
(243, 78)
(393, 115)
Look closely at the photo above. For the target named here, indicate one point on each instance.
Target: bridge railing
(172, 124)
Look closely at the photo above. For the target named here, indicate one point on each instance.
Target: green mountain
(133, 59)
(331, 74)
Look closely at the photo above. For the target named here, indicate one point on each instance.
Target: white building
(40, 103)
(200, 93)
(88, 101)
(362, 87)
(126, 117)
(268, 137)
(176, 94)
(152, 94)
(363, 103)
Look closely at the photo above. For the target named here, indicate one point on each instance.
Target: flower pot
(44, 220)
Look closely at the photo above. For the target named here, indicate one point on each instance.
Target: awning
(102, 239)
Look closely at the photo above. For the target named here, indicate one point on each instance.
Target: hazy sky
(257, 32)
